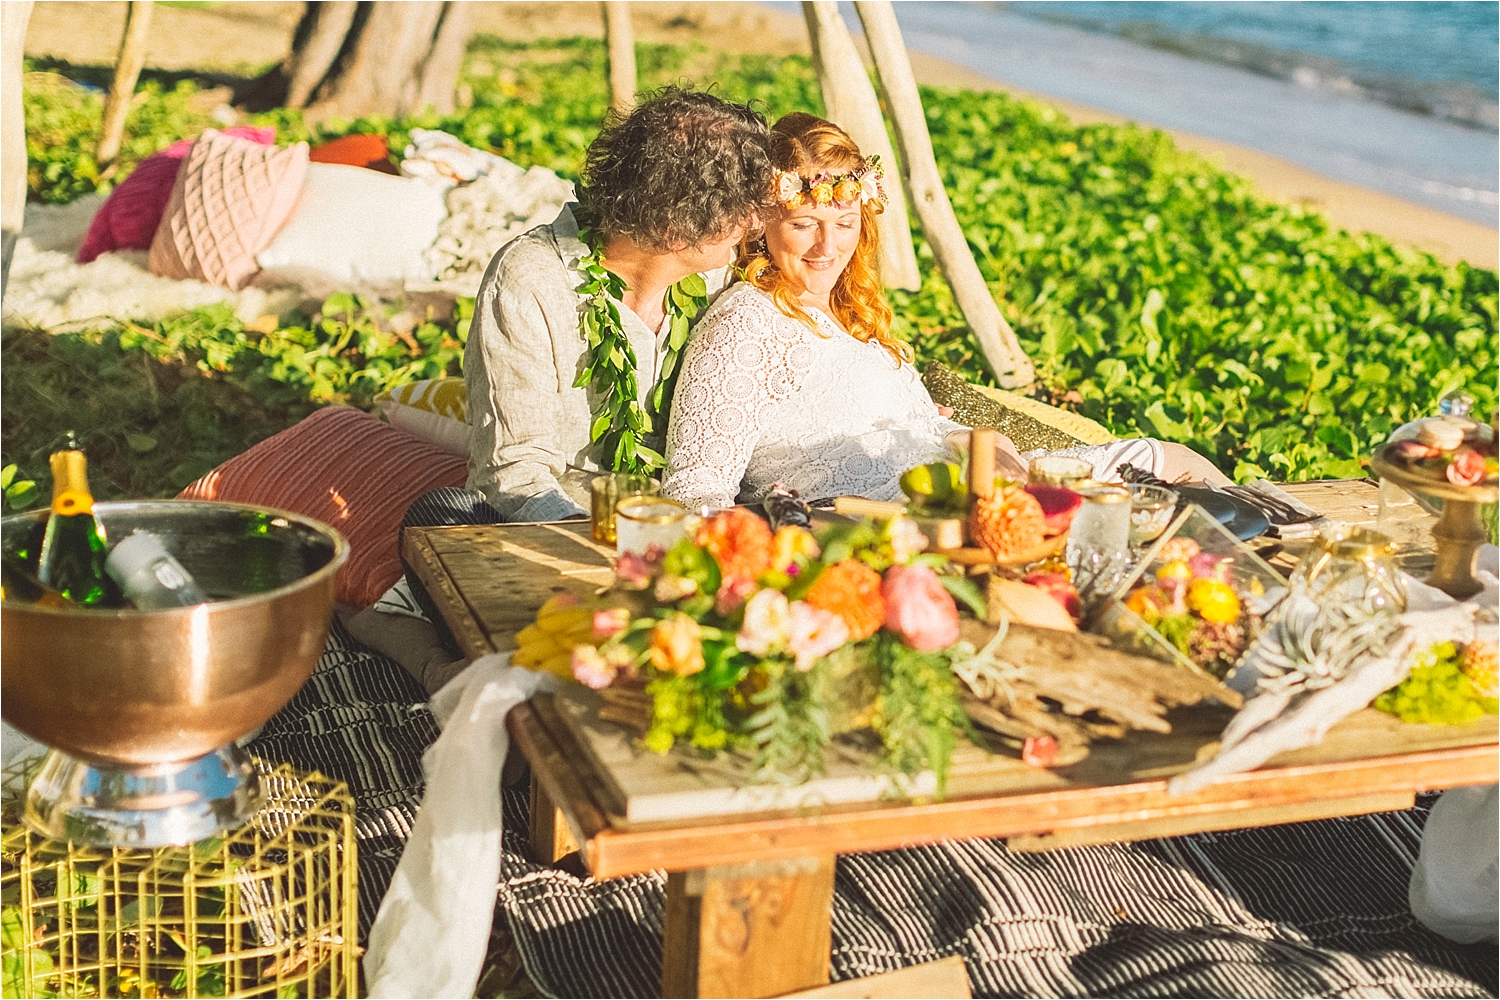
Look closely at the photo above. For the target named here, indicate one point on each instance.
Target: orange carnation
(739, 541)
(851, 590)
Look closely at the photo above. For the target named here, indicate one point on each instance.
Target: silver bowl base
(162, 806)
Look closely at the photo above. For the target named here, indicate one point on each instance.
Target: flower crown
(858, 186)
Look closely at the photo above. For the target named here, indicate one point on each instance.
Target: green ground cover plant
(1157, 293)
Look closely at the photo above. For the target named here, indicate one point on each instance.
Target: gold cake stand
(1458, 533)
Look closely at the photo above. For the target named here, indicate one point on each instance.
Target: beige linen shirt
(529, 449)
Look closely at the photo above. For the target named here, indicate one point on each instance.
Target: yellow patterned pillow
(433, 410)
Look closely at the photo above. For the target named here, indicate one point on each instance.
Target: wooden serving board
(639, 788)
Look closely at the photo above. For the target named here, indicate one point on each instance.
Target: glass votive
(1101, 528)
(643, 521)
(607, 490)
(1355, 567)
(1059, 470)
(1151, 510)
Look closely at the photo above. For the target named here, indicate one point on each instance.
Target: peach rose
(675, 646)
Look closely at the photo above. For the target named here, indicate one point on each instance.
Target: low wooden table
(749, 895)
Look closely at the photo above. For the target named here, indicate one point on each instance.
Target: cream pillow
(230, 198)
(356, 227)
(433, 410)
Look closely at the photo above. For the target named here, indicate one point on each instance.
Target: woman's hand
(944, 411)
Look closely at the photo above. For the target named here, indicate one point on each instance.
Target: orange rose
(739, 541)
(851, 590)
(822, 194)
(675, 646)
(846, 191)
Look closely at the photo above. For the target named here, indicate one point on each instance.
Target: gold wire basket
(267, 910)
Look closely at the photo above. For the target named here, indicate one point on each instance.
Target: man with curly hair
(668, 191)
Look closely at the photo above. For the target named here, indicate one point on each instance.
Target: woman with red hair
(793, 376)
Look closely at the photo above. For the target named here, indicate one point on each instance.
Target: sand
(237, 38)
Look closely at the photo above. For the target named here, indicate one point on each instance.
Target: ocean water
(1437, 58)
(1398, 97)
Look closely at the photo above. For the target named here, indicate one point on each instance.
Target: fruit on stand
(1009, 524)
(1447, 448)
(1059, 504)
(934, 487)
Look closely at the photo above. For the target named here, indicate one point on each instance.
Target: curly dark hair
(681, 169)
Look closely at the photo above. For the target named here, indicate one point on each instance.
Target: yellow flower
(1177, 569)
(1214, 601)
(822, 194)
(675, 646)
(795, 201)
(792, 545)
(846, 191)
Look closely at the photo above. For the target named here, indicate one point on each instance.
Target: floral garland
(858, 187)
(632, 435)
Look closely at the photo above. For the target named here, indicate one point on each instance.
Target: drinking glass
(1059, 470)
(643, 521)
(1099, 539)
(607, 490)
(1151, 511)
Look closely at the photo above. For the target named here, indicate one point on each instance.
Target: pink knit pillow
(229, 199)
(128, 218)
(347, 469)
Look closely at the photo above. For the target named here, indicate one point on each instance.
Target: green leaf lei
(632, 434)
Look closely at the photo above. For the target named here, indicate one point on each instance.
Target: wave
(1457, 101)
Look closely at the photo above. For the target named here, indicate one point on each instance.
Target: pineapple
(1479, 664)
(1009, 524)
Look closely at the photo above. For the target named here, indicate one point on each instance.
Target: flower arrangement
(773, 642)
(1193, 605)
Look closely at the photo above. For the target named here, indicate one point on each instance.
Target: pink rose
(590, 667)
(1206, 564)
(1467, 468)
(918, 608)
(611, 622)
(814, 633)
(732, 593)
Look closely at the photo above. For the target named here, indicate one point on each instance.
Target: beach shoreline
(233, 36)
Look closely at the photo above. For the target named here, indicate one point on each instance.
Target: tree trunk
(852, 105)
(619, 44)
(320, 36)
(996, 339)
(127, 72)
(14, 17)
(439, 81)
(381, 74)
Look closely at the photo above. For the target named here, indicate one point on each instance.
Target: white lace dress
(765, 399)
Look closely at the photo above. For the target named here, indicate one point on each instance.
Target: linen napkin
(430, 935)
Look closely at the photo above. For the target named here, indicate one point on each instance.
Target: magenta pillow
(129, 216)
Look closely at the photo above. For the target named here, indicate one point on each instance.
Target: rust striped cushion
(347, 469)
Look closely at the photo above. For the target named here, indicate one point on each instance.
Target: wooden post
(753, 930)
(14, 17)
(551, 837)
(996, 339)
(619, 44)
(852, 105)
(127, 72)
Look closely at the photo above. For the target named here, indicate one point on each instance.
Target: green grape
(1436, 692)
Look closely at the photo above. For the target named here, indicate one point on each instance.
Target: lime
(917, 482)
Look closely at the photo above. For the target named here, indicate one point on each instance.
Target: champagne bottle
(74, 548)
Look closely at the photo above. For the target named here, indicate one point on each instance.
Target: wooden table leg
(753, 930)
(551, 837)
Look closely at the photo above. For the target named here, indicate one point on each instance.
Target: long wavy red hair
(810, 145)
